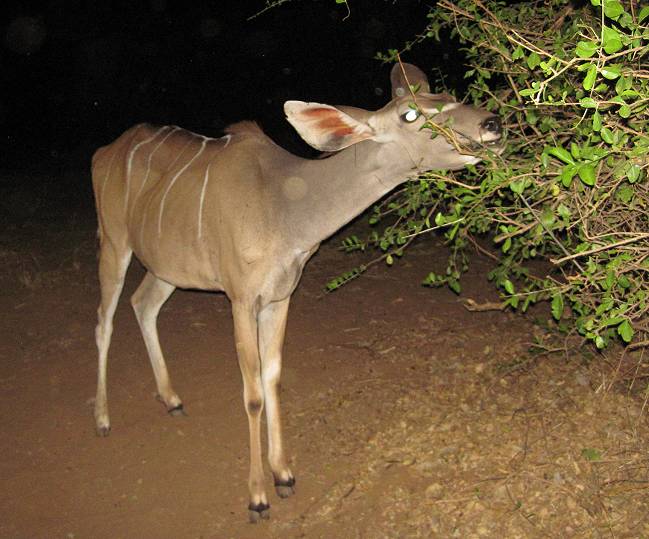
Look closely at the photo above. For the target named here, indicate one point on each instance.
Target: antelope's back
(165, 191)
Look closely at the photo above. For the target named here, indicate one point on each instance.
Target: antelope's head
(430, 131)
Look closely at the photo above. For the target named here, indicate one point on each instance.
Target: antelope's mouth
(496, 145)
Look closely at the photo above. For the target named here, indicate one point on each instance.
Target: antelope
(241, 215)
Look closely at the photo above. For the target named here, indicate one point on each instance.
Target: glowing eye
(410, 116)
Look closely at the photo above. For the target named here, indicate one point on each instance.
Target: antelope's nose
(493, 125)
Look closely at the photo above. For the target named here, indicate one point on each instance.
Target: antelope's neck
(324, 195)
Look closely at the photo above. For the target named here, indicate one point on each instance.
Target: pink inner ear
(329, 120)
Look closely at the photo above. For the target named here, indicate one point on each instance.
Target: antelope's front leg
(245, 333)
(272, 324)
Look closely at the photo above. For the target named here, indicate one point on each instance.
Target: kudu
(241, 215)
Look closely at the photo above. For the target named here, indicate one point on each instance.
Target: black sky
(77, 73)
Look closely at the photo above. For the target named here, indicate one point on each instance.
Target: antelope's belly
(179, 261)
(182, 269)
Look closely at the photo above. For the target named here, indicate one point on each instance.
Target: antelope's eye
(410, 116)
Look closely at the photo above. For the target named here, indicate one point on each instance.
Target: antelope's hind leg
(113, 263)
(147, 302)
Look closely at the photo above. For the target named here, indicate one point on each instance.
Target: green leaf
(336, 283)
(454, 285)
(630, 93)
(613, 9)
(564, 212)
(533, 60)
(606, 305)
(562, 154)
(597, 121)
(509, 286)
(430, 280)
(389, 260)
(625, 330)
(588, 103)
(591, 454)
(517, 186)
(590, 78)
(633, 173)
(557, 306)
(623, 282)
(611, 72)
(575, 150)
(607, 135)
(613, 321)
(644, 13)
(531, 117)
(624, 111)
(547, 217)
(585, 49)
(625, 193)
(609, 281)
(611, 40)
(518, 53)
(567, 174)
(623, 84)
(587, 174)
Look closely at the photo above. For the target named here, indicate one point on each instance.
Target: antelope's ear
(447, 98)
(324, 127)
(413, 77)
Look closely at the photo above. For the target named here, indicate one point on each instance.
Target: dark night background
(76, 74)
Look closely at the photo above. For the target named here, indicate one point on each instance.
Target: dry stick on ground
(471, 305)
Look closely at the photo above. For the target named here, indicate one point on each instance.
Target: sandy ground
(405, 414)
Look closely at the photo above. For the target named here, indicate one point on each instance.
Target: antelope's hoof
(102, 430)
(102, 424)
(285, 488)
(258, 512)
(177, 411)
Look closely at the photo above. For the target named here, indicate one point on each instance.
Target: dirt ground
(405, 414)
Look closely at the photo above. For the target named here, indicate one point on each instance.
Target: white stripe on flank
(173, 180)
(202, 199)
(145, 212)
(148, 163)
(103, 187)
(129, 164)
(199, 135)
(206, 179)
(173, 163)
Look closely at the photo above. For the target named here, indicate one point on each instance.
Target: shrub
(571, 83)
